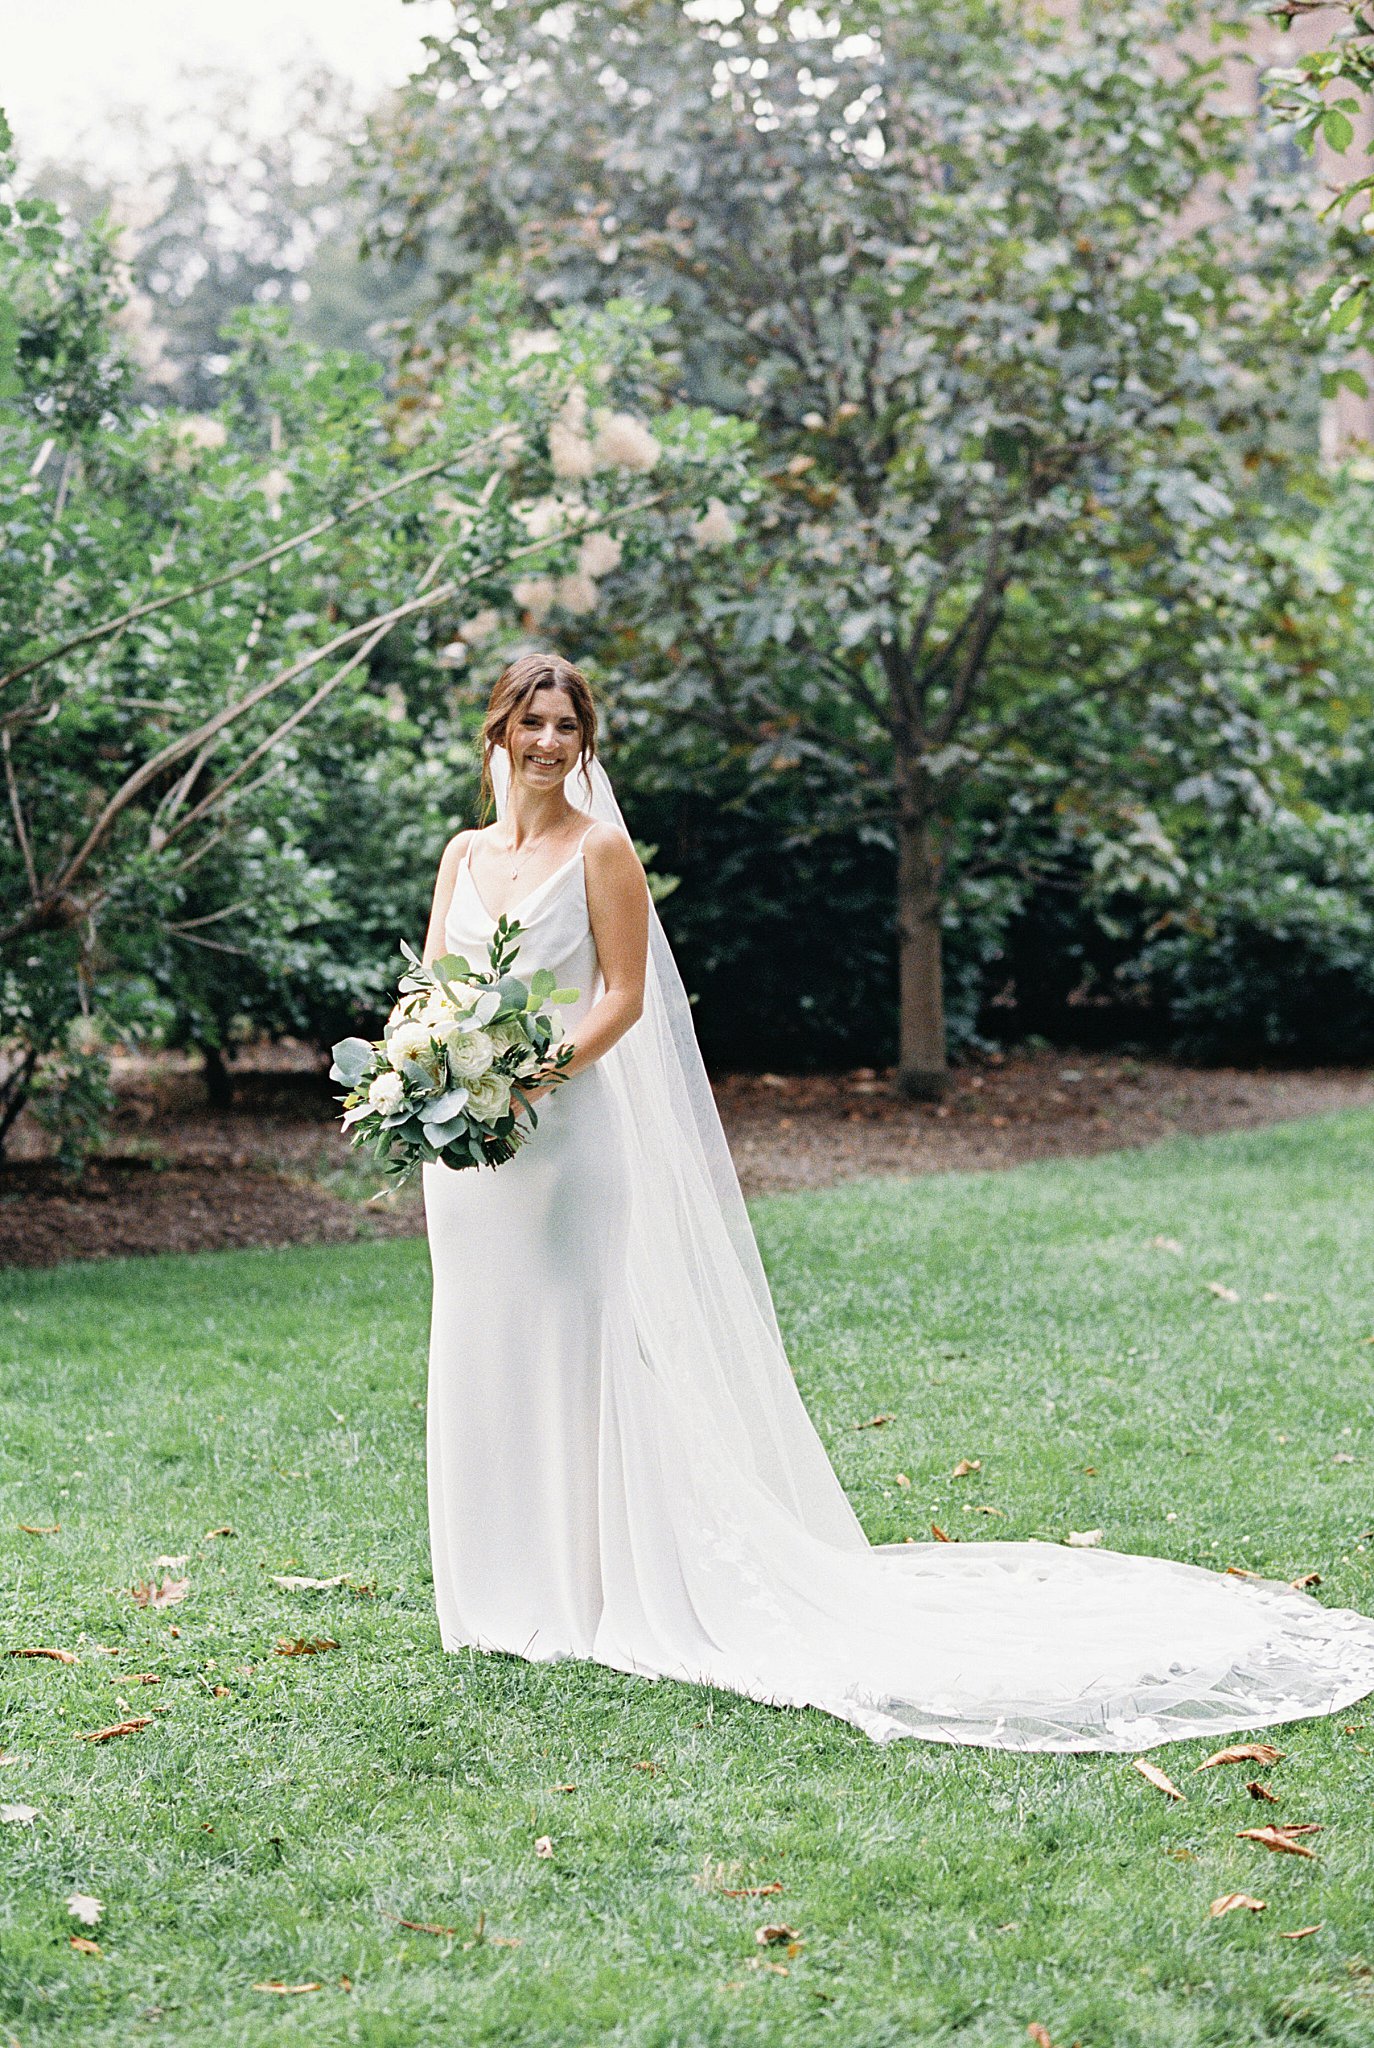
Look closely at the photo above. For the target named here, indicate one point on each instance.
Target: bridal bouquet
(460, 1049)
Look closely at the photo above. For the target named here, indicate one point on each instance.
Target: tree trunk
(922, 1069)
(219, 1082)
(14, 1092)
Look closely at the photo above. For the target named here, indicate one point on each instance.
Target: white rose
(385, 1093)
(438, 1011)
(470, 1053)
(409, 1041)
(507, 1033)
(489, 1098)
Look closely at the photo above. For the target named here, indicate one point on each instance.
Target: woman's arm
(449, 864)
(618, 903)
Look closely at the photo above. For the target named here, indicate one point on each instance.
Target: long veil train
(732, 1556)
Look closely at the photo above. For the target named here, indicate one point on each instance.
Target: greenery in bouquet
(463, 1046)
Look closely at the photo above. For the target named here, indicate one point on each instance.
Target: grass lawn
(282, 1816)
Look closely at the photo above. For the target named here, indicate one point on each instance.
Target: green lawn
(283, 1814)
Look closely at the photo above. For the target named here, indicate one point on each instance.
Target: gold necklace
(524, 854)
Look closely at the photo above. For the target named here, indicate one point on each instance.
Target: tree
(1017, 356)
(200, 608)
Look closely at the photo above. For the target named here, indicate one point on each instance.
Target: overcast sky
(64, 64)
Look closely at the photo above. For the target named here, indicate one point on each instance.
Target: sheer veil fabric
(723, 1549)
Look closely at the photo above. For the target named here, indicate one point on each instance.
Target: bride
(620, 1466)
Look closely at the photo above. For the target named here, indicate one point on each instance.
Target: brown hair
(513, 690)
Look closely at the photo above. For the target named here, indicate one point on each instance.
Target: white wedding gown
(621, 1468)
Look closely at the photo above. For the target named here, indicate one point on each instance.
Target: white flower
(532, 341)
(470, 1053)
(541, 518)
(489, 1098)
(534, 594)
(437, 1010)
(599, 554)
(623, 442)
(409, 1041)
(274, 487)
(453, 655)
(505, 1033)
(577, 593)
(715, 528)
(199, 432)
(385, 1093)
(480, 626)
(570, 452)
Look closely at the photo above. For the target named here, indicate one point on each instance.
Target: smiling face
(544, 739)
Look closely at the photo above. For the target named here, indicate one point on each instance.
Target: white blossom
(385, 1093)
(489, 1098)
(480, 626)
(409, 1041)
(623, 442)
(532, 341)
(715, 528)
(599, 554)
(534, 594)
(570, 452)
(577, 593)
(541, 518)
(470, 1053)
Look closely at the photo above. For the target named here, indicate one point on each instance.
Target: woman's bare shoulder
(610, 851)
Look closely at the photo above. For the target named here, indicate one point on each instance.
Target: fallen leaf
(34, 1529)
(965, 1466)
(903, 1479)
(562, 1788)
(1258, 1791)
(1342, 1457)
(654, 1770)
(19, 1816)
(211, 1534)
(1300, 1827)
(1154, 1776)
(286, 1990)
(874, 1422)
(290, 1584)
(762, 1963)
(57, 1656)
(1230, 1902)
(938, 1533)
(119, 1728)
(85, 1946)
(1221, 1291)
(753, 1891)
(83, 1906)
(1167, 1244)
(544, 1847)
(1084, 1539)
(1307, 1579)
(301, 1646)
(171, 1564)
(1299, 1933)
(165, 1595)
(1275, 1838)
(419, 1926)
(980, 1507)
(773, 1932)
(1238, 1571)
(1243, 1753)
(1040, 2035)
(134, 1678)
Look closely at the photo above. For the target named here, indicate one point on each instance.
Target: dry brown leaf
(165, 1595)
(57, 1656)
(654, 1770)
(1154, 1776)
(939, 1534)
(753, 1891)
(1276, 1838)
(46, 1529)
(1221, 1291)
(85, 1946)
(775, 1931)
(1239, 1571)
(211, 1534)
(1300, 1933)
(18, 1815)
(303, 1646)
(1230, 1902)
(1306, 1579)
(980, 1507)
(1300, 1827)
(420, 1926)
(544, 1847)
(286, 1990)
(119, 1728)
(134, 1678)
(1040, 2035)
(1243, 1753)
(1258, 1791)
(874, 1422)
(562, 1788)
(965, 1466)
(904, 1479)
(85, 1907)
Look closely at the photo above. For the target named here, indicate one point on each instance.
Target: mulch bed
(180, 1177)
